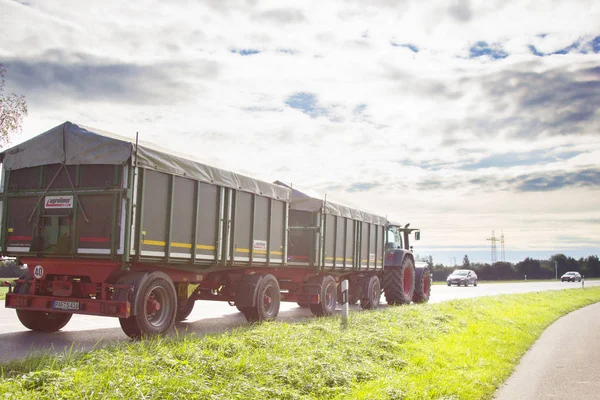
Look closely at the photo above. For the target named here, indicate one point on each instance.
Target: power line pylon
(502, 253)
(493, 239)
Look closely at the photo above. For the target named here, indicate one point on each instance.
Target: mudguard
(135, 279)
(246, 292)
(396, 258)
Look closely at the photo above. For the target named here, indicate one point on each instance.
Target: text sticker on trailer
(58, 202)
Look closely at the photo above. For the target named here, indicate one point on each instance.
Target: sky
(461, 117)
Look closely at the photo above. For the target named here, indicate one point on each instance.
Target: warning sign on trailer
(58, 202)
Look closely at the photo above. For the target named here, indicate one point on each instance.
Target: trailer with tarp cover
(113, 227)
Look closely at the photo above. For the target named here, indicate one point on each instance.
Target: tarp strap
(45, 191)
(76, 198)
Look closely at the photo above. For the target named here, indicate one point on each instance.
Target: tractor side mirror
(417, 235)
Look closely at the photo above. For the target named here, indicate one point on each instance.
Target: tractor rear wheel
(399, 283)
(423, 285)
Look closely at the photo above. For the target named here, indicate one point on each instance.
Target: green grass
(462, 349)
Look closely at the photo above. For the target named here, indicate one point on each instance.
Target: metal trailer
(115, 228)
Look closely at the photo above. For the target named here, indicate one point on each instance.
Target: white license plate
(65, 305)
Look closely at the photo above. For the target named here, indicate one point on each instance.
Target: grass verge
(461, 349)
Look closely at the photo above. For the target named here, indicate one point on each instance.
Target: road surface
(84, 332)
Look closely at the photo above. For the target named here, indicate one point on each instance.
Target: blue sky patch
(245, 52)
(591, 46)
(409, 46)
(480, 49)
(307, 103)
(595, 44)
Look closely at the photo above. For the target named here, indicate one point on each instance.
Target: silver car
(462, 277)
(571, 276)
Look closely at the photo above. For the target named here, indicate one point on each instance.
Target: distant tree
(531, 268)
(13, 108)
(466, 262)
(10, 269)
(590, 267)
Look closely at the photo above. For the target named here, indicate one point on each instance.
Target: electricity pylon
(493, 239)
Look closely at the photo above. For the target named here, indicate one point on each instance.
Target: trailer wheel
(155, 308)
(268, 300)
(399, 283)
(422, 285)
(43, 321)
(183, 313)
(371, 293)
(328, 294)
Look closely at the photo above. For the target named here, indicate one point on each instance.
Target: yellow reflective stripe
(176, 244)
(153, 242)
(241, 250)
(336, 259)
(278, 253)
(182, 245)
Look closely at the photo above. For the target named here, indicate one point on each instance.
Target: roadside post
(525, 278)
(582, 281)
(344, 303)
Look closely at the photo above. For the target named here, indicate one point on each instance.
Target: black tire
(399, 283)
(328, 295)
(371, 293)
(42, 321)
(159, 288)
(422, 285)
(475, 283)
(185, 311)
(449, 284)
(268, 300)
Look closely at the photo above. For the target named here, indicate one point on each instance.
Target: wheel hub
(152, 305)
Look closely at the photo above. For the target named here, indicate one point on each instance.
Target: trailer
(108, 226)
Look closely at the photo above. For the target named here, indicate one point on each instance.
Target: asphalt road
(85, 332)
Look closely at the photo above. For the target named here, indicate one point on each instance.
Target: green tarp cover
(74, 144)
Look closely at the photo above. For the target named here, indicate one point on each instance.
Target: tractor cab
(398, 236)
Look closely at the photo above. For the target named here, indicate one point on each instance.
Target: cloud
(94, 80)
(506, 160)
(362, 187)
(461, 10)
(281, 16)
(557, 101)
(589, 178)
